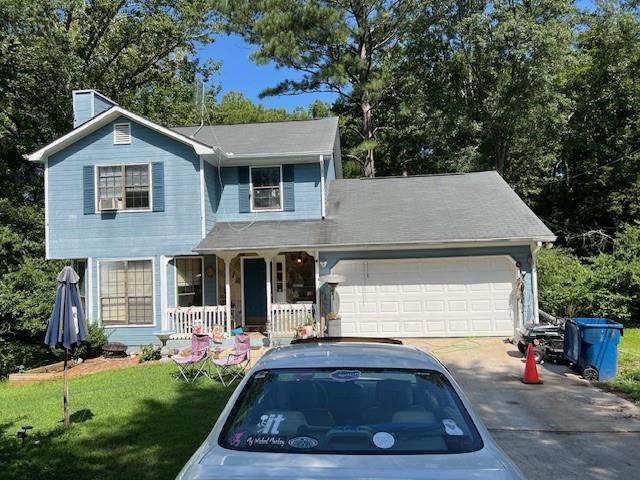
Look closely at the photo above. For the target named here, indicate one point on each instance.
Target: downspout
(322, 194)
(534, 281)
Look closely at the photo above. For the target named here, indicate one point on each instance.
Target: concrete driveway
(563, 429)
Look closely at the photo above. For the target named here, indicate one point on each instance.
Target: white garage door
(443, 297)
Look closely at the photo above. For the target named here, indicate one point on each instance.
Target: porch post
(268, 256)
(316, 261)
(227, 293)
(227, 257)
(267, 260)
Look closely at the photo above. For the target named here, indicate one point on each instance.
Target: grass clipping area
(132, 423)
(628, 380)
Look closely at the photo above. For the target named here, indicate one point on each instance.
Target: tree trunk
(501, 155)
(368, 165)
(367, 133)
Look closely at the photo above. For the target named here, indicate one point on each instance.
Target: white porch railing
(287, 317)
(182, 320)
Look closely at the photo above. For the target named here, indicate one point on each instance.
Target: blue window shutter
(244, 202)
(157, 179)
(88, 185)
(288, 197)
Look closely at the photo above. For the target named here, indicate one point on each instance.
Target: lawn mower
(547, 340)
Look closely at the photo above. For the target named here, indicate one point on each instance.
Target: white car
(359, 410)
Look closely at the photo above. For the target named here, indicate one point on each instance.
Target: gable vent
(121, 133)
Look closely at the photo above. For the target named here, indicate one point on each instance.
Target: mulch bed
(54, 372)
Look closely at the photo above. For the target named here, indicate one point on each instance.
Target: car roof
(350, 355)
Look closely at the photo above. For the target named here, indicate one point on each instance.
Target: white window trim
(175, 279)
(96, 179)
(251, 198)
(115, 126)
(154, 293)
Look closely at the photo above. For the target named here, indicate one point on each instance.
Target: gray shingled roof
(270, 138)
(401, 210)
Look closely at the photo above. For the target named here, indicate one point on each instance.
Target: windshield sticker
(236, 439)
(266, 441)
(345, 375)
(451, 427)
(383, 440)
(303, 442)
(270, 424)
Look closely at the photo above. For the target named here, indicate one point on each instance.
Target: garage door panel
(426, 297)
(457, 306)
(368, 307)
(435, 306)
(480, 306)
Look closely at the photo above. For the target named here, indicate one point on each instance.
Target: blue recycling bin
(591, 344)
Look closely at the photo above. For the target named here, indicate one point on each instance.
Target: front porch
(274, 293)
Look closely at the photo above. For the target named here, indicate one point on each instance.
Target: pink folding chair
(236, 364)
(192, 366)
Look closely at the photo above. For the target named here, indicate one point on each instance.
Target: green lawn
(628, 379)
(131, 423)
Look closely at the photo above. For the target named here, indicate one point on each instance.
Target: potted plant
(307, 330)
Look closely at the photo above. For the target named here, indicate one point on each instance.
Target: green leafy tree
(479, 87)
(141, 54)
(340, 47)
(596, 188)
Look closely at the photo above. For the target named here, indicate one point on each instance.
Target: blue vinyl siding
(306, 196)
(210, 195)
(174, 231)
(82, 108)
(329, 173)
(520, 254)
(100, 105)
(87, 105)
(171, 283)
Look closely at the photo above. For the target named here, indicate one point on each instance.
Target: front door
(254, 274)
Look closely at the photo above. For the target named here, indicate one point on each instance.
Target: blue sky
(239, 73)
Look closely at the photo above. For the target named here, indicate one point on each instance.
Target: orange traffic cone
(530, 368)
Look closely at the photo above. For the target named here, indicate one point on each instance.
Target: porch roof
(265, 235)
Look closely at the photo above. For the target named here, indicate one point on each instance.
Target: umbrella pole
(66, 390)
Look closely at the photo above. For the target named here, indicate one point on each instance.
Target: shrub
(16, 355)
(606, 285)
(562, 283)
(149, 353)
(92, 347)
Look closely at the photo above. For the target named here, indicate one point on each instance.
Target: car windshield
(357, 411)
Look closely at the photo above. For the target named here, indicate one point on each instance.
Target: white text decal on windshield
(345, 375)
(270, 424)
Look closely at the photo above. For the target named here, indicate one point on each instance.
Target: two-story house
(236, 225)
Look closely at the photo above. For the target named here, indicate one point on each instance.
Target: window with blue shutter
(244, 200)
(157, 181)
(88, 185)
(288, 188)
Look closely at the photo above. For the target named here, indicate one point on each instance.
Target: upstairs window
(266, 188)
(124, 187)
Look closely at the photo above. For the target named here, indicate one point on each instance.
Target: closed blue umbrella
(66, 325)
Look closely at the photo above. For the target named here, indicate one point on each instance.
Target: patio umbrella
(66, 325)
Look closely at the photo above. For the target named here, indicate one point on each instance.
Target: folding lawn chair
(192, 366)
(236, 363)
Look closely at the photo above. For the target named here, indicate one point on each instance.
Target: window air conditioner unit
(109, 204)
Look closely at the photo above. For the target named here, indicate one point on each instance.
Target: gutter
(385, 245)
